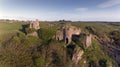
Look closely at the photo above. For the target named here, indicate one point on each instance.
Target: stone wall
(67, 32)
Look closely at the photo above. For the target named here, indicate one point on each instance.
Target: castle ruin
(35, 25)
(67, 33)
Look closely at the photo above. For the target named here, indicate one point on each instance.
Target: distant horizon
(56, 20)
(54, 10)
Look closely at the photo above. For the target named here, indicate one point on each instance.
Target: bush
(94, 55)
(31, 41)
(94, 31)
(57, 61)
(91, 29)
(70, 50)
(27, 41)
(39, 62)
(16, 39)
(92, 63)
(46, 34)
(30, 30)
(103, 62)
(115, 35)
(81, 41)
(15, 55)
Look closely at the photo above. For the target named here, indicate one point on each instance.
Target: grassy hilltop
(11, 28)
(44, 51)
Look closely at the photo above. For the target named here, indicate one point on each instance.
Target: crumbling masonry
(34, 25)
(67, 32)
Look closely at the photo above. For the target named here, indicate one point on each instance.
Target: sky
(53, 10)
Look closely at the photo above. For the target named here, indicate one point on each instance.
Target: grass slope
(9, 28)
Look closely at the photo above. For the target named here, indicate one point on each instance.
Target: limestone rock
(59, 35)
(35, 34)
(77, 56)
(88, 40)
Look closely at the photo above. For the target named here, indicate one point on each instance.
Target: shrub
(31, 41)
(103, 62)
(94, 55)
(92, 63)
(95, 31)
(30, 30)
(70, 50)
(81, 41)
(91, 29)
(16, 39)
(15, 55)
(46, 34)
(57, 61)
(39, 62)
(115, 35)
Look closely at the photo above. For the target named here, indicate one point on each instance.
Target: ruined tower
(34, 25)
(69, 31)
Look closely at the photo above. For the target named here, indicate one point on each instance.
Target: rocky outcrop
(88, 40)
(59, 35)
(77, 56)
(35, 34)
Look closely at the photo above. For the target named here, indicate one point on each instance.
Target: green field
(9, 28)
